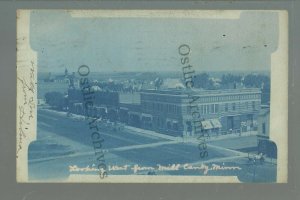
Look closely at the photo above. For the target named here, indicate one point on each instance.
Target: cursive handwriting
(31, 106)
(172, 167)
(27, 86)
(206, 168)
(26, 104)
(23, 125)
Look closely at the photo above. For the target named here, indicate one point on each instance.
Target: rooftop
(201, 91)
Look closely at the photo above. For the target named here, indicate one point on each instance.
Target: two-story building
(220, 111)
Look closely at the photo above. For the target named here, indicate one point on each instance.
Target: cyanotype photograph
(152, 96)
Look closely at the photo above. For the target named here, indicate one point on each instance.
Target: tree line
(232, 81)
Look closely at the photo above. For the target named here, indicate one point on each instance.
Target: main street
(65, 141)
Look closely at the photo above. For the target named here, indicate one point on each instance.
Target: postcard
(152, 96)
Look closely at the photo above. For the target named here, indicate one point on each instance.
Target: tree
(201, 80)
(230, 78)
(55, 99)
(158, 83)
(256, 80)
(259, 81)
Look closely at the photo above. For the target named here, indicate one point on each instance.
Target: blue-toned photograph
(153, 96)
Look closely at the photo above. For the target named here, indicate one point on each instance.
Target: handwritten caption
(26, 104)
(204, 168)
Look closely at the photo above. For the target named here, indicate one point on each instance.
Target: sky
(151, 44)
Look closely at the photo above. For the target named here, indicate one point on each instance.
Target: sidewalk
(223, 137)
(271, 160)
(188, 139)
(152, 133)
(141, 131)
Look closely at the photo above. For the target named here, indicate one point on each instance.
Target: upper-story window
(233, 106)
(216, 108)
(206, 110)
(253, 105)
(226, 107)
(212, 108)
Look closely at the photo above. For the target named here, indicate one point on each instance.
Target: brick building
(222, 111)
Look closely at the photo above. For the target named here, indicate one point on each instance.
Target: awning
(134, 113)
(101, 107)
(216, 123)
(206, 125)
(243, 123)
(173, 121)
(146, 115)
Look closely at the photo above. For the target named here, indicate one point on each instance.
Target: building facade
(265, 145)
(221, 111)
(105, 104)
(169, 111)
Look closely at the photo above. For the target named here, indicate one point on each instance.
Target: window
(253, 105)
(175, 126)
(212, 108)
(264, 128)
(233, 106)
(206, 109)
(216, 108)
(226, 107)
(169, 125)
